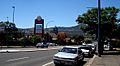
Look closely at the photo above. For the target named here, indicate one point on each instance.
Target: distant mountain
(71, 31)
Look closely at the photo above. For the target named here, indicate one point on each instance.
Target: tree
(35, 39)
(47, 37)
(108, 21)
(25, 42)
(116, 32)
(9, 33)
(61, 38)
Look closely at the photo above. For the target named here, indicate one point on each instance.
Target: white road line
(17, 59)
(48, 63)
(90, 61)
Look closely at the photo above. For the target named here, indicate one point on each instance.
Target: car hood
(65, 55)
(84, 50)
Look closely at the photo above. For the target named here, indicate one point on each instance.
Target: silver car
(69, 55)
(42, 45)
(87, 50)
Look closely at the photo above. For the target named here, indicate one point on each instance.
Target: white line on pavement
(48, 63)
(90, 61)
(17, 59)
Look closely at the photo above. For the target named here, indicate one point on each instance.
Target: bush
(88, 41)
(35, 39)
(116, 43)
(25, 42)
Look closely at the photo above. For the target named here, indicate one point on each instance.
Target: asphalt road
(81, 64)
(37, 58)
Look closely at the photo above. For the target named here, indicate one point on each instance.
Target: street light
(13, 12)
(48, 23)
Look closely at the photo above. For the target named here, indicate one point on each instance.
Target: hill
(71, 31)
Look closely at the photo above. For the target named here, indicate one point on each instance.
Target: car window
(79, 51)
(69, 50)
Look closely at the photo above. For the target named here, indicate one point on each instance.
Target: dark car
(92, 46)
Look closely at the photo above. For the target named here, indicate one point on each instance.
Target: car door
(80, 54)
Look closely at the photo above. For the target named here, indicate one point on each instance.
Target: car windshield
(69, 50)
(40, 43)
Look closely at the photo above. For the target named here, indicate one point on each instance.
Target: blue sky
(54, 12)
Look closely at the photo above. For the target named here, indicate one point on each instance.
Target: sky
(62, 13)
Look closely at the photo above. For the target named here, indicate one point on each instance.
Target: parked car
(87, 50)
(42, 45)
(93, 46)
(52, 44)
(69, 55)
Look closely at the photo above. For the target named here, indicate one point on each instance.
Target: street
(37, 58)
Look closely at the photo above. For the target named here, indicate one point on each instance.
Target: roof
(72, 46)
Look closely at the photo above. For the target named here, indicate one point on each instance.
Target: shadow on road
(81, 64)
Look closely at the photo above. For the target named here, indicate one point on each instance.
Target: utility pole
(99, 31)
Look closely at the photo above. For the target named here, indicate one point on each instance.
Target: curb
(13, 50)
(7, 51)
(90, 61)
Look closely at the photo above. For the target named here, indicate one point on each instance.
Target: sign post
(39, 26)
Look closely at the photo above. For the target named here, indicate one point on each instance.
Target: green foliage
(87, 40)
(10, 34)
(117, 32)
(108, 21)
(35, 39)
(115, 43)
(25, 42)
(47, 37)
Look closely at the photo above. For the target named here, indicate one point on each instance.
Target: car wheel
(78, 62)
(82, 58)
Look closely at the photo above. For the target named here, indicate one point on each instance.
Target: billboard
(39, 26)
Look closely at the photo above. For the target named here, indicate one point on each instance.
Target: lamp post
(48, 23)
(13, 12)
(47, 32)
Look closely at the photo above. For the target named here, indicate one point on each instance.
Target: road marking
(48, 63)
(90, 61)
(17, 59)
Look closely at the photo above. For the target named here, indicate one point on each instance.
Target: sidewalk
(109, 58)
(31, 49)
